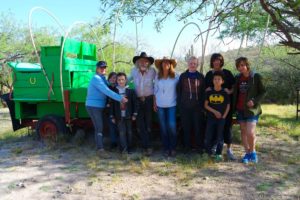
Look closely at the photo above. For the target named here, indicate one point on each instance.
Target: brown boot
(148, 152)
(103, 154)
(173, 153)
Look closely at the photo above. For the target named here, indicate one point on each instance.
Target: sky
(154, 43)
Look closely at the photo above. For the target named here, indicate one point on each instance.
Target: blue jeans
(113, 132)
(125, 131)
(96, 115)
(167, 121)
(214, 135)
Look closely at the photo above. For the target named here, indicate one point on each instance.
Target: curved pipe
(195, 40)
(30, 24)
(32, 40)
(62, 51)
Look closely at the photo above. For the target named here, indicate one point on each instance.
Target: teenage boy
(217, 104)
(124, 113)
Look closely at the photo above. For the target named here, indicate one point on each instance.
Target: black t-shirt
(229, 79)
(217, 100)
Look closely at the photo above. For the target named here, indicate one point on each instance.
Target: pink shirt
(144, 84)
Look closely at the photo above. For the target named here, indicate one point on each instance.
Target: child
(123, 114)
(113, 130)
(249, 91)
(217, 104)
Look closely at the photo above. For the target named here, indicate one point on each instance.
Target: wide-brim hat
(158, 62)
(143, 55)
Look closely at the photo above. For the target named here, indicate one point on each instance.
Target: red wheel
(49, 127)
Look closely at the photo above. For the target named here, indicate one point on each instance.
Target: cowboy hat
(143, 55)
(158, 62)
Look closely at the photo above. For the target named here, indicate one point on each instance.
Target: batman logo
(216, 99)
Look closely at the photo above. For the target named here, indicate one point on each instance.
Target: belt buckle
(143, 98)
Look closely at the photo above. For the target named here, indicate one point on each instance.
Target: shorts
(240, 117)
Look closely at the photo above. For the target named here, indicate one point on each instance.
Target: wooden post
(297, 110)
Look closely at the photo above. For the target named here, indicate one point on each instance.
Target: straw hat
(158, 62)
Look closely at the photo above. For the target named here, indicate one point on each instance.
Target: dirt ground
(33, 170)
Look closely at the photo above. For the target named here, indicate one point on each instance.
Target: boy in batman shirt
(217, 105)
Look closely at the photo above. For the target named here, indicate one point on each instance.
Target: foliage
(281, 72)
(233, 18)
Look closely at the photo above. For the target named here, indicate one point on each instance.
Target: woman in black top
(216, 64)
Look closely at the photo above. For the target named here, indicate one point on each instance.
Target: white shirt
(165, 91)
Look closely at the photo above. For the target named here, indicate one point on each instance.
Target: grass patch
(262, 187)
(12, 186)
(11, 136)
(45, 188)
(145, 163)
(17, 150)
(195, 161)
(72, 168)
(281, 119)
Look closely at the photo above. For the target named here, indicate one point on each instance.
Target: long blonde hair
(171, 71)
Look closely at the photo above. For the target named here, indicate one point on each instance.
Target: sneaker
(246, 158)
(166, 153)
(148, 152)
(173, 153)
(230, 155)
(218, 158)
(103, 154)
(253, 157)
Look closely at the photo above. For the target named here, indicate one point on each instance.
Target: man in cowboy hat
(143, 78)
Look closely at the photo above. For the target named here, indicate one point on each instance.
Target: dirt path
(32, 170)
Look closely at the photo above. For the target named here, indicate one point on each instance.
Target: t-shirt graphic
(242, 92)
(217, 100)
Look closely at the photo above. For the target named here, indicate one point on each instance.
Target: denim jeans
(113, 132)
(96, 115)
(144, 120)
(167, 121)
(192, 119)
(214, 135)
(227, 132)
(125, 133)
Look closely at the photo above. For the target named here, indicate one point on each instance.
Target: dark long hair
(171, 71)
(216, 56)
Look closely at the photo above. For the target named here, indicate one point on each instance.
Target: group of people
(206, 105)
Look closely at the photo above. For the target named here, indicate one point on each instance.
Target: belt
(143, 98)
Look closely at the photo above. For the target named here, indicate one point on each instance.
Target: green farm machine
(50, 96)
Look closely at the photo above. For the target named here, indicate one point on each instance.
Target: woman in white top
(165, 102)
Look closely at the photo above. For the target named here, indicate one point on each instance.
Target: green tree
(240, 18)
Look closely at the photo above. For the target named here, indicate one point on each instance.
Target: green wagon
(51, 96)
